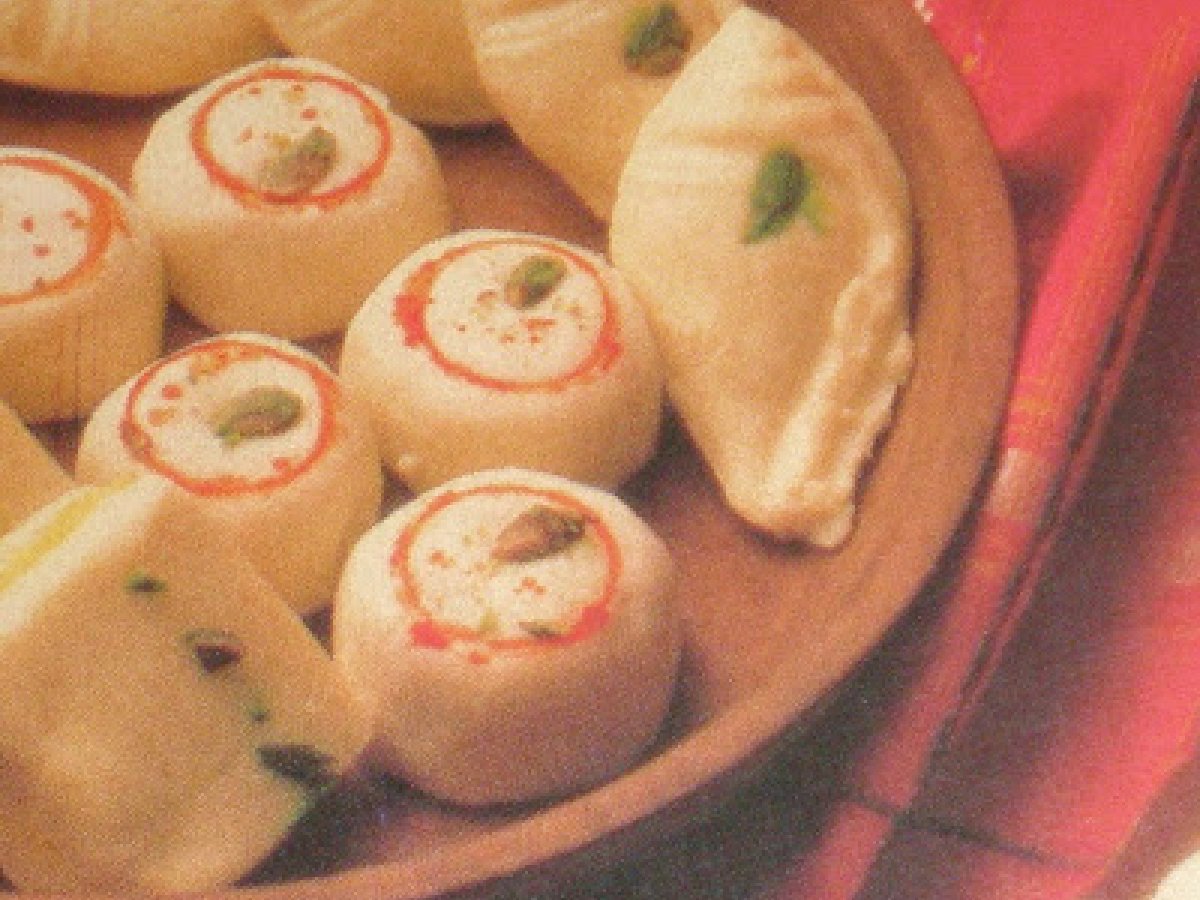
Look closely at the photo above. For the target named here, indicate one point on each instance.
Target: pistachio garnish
(142, 583)
(656, 40)
(257, 413)
(538, 532)
(299, 164)
(782, 188)
(299, 763)
(543, 631)
(532, 281)
(214, 648)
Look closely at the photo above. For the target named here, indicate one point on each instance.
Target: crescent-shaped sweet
(282, 192)
(415, 51)
(127, 47)
(82, 291)
(513, 634)
(574, 79)
(494, 348)
(260, 433)
(764, 218)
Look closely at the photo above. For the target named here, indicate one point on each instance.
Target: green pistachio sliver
(257, 413)
(533, 280)
(656, 40)
(782, 189)
(300, 164)
(144, 584)
(543, 631)
(214, 648)
(537, 533)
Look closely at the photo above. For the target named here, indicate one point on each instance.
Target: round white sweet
(128, 47)
(415, 51)
(261, 434)
(515, 635)
(82, 292)
(282, 193)
(460, 373)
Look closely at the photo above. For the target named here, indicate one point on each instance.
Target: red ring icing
(249, 194)
(103, 220)
(410, 304)
(140, 444)
(427, 632)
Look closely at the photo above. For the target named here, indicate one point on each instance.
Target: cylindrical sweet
(82, 294)
(261, 434)
(515, 636)
(497, 348)
(282, 192)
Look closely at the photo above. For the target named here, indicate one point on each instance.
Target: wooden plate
(772, 629)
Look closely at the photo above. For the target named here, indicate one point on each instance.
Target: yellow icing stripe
(71, 513)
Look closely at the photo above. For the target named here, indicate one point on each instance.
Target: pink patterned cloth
(1057, 687)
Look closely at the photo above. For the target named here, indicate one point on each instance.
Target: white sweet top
(506, 565)
(230, 415)
(54, 224)
(511, 312)
(286, 130)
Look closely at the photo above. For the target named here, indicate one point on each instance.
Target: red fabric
(1046, 712)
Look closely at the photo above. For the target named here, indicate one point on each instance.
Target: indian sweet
(415, 51)
(82, 291)
(764, 219)
(282, 192)
(168, 717)
(514, 635)
(259, 432)
(30, 476)
(574, 81)
(127, 47)
(496, 348)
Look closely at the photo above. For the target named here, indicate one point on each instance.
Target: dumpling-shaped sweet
(30, 477)
(282, 192)
(497, 348)
(573, 80)
(260, 433)
(82, 291)
(127, 47)
(514, 635)
(764, 219)
(168, 718)
(415, 51)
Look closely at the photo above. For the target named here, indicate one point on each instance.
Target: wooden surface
(771, 629)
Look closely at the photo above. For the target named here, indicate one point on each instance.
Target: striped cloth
(1053, 686)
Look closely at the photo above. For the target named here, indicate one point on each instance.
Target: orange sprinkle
(160, 415)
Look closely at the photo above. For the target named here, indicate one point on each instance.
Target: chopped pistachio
(542, 630)
(298, 165)
(538, 532)
(301, 764)
(782, 188)
(214, 648)
(532, 281)
(656, 40)
(259, 713)
(257, 413)
(142, 583)
(489, 622)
